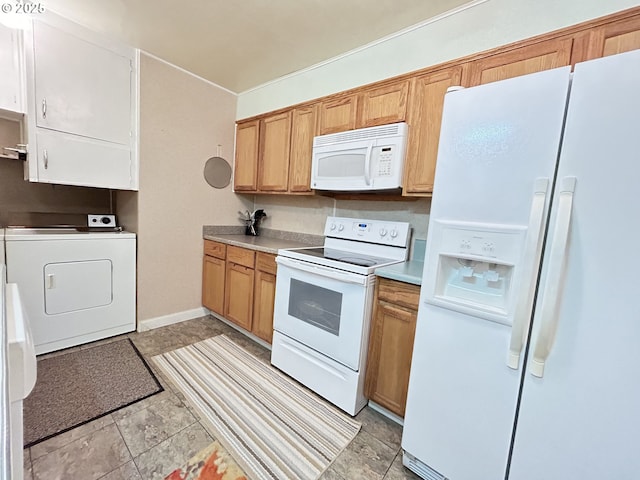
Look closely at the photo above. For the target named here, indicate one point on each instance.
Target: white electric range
(323, 305)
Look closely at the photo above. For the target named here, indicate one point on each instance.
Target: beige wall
(182, 120)
(18, 196)
(481, 27)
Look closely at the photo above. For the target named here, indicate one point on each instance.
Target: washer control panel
(101, 221)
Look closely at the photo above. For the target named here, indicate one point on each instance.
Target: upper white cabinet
(82, 108)
(11, 62)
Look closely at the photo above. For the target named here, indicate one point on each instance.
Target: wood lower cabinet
(391, 344)
(213, 276)
(240, 284)
(213, 280)
(238, 292)
(238, 304)
(263, 297)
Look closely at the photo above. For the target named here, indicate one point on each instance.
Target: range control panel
(372, 231)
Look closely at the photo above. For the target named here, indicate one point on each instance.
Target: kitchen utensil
(217, 171)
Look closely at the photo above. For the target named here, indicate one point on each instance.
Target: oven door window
(317, 306)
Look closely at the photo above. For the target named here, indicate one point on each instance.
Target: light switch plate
(108, 221)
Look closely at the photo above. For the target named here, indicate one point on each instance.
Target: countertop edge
(406, 272)
(269, 241)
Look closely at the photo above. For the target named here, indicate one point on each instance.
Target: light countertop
(407, 272)
(269, 241)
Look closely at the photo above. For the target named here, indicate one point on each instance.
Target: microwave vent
(394, 129)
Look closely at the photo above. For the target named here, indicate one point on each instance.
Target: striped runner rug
(273, 427)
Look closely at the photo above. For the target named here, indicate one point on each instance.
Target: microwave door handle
(367, 165)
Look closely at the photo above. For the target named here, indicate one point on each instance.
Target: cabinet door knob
(45, 157)
(44, 108)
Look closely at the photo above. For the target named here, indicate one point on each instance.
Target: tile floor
(149, 439)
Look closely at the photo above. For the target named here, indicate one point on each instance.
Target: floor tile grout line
(169, 438)
(108, 415)
(195, 420)
(128, 450)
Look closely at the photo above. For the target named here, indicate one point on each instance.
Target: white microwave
(367, 159)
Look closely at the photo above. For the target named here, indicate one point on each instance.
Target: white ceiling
(244, 43)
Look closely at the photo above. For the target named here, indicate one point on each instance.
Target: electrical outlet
(101, 220)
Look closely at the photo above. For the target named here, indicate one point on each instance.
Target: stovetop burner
(346, 257)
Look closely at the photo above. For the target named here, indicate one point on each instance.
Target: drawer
(265, 262)
(215, 249)
(241, 256)
(399, 293)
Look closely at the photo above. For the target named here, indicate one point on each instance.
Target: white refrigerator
(526, 362)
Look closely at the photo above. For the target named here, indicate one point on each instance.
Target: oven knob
(332, 226)
(383, 232)
(340, 227)
(394, 233)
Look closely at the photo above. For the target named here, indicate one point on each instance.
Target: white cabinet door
(74, 160)
(82, 107)
(81, 88)
(11, 64)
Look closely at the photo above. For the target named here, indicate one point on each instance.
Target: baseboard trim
(163, 321)
(241, 330)
(390, 415)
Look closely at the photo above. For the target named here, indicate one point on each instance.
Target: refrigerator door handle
(551, 292)
(531, 255)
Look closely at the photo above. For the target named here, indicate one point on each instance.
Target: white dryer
(77, 287)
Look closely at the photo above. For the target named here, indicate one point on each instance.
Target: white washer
(77, 287)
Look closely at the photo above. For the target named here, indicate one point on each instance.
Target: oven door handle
(331, 273)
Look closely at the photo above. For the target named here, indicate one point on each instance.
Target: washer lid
(22, 234)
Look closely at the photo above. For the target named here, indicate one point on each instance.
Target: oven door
(323, 308)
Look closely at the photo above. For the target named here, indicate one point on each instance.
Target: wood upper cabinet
(273, 166)
(338, 115)
(304, 126)
(533, 58)
(383, 105)
(616, 37)
(391, 344)
(245, 171)
(425, 116)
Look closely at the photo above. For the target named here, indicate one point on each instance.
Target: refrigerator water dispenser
(475, 267)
